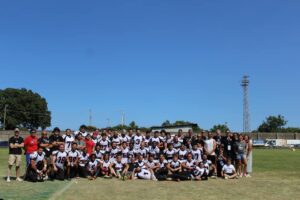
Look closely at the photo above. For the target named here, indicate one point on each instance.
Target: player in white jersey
(125, 151)
(113, 152)
(156, 139)
(37, 170)
(104, 142)
(59, 162)
(154, 151)
(118, 168)
(137, 140)
(105, 166)
(83, 161)
(170, 152)
(228, 171)
(151, 163)
(139, 173)
(124, 137)
(115, 139)
(200, 172)
(68, 139)
(190, 164)
(82, 131)
(175, 170)
(182, 153)
(93, 168)
(73, 157)
(197, 153)
(98, 152)
(147, 138)
(143, 151)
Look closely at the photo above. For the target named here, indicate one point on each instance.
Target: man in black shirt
(55, 139)
(44, 143)
(16, 143)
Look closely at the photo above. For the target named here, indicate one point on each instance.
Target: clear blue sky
(156, 60)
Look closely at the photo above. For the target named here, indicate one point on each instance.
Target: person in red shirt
(30, 145)
(89, 144)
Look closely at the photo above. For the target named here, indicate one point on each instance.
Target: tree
(272, 124)
(133, 125)
(223, 127)
(25, 109)
(166, 123)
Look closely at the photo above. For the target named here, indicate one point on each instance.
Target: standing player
(16, 143)
(68, 140)
(210, 148)
(137, 140)
(55, 140)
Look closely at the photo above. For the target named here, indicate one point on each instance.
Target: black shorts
(212, 158)
(229, 174)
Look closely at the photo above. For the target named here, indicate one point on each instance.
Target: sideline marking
(60, 192)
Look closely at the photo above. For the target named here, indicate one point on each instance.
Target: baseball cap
(17, 130)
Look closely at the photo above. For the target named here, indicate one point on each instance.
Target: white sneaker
(8, 179)
(226, 178)
(248, 176)
(19, 179)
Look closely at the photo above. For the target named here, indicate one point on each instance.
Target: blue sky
(155, 60)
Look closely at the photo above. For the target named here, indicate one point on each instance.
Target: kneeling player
(93, 168)
(118, 168)
(37, 170)
(228, 171)
(59, 162)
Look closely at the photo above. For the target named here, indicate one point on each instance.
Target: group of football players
(136, 155)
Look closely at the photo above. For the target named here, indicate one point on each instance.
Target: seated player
(93, 168)
(83, 161)
(221, 160)
(73, 157)
(228, 171)
(105, 166)
(200, 172)
(190, 164)
(210, 167)
(118, 168)
(175, 170)
(151, 163)
(132, 164)
(37, 170)
(162, 172)
(59, 163)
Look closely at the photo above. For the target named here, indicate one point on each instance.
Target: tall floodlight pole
(246, 117)
(246, 114)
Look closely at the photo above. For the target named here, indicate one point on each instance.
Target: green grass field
(276, 176)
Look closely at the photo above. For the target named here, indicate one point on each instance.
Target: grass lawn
(276, 176)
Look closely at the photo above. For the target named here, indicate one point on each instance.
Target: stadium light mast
(246, 115)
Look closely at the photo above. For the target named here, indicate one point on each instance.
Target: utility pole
(4, 117)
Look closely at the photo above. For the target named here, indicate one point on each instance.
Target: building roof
(174, 126)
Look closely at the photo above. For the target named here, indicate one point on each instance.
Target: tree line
(27, 109)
